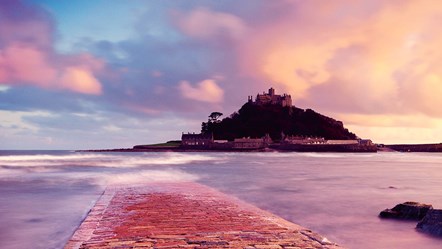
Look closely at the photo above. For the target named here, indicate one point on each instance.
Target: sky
(112, 74)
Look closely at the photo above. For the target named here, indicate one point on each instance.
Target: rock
(431, 223)
(407, 210)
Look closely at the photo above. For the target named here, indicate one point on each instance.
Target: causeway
(185, 215)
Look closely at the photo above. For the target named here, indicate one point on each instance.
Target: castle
(271, 98)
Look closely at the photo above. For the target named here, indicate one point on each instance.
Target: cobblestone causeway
(185, 215)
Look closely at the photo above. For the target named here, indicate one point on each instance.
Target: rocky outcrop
(431, 223)
(407, 210)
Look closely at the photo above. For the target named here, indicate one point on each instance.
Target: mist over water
(44, 195)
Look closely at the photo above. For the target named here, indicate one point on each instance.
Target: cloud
(83, 130)
(27, 56)
(203, 23)
(352, 56)
(394, 128)
(205, 91)
(25, 23)
(80, 80)
(4, 88)
(20, 63)
(398, 134)
(374, 64)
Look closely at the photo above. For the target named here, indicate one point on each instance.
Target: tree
(213, 117)
(258, 120)
(204, 127)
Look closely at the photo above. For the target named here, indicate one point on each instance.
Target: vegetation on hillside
(257, 120)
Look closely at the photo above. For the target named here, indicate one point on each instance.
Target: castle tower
(272, 98)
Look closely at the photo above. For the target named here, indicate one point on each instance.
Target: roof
(196, 136)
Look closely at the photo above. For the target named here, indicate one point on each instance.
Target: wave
(147, 176)
(106, 178)
(103, 160)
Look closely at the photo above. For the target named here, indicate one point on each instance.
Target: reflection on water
(45, 195)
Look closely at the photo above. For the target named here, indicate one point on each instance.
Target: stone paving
(185, 215)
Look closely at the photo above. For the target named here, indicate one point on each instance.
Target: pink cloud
(205, 91)
(21, 63)
(378, 59)
(25, 65)
(27, 56)
(380, 56)
(80, 80)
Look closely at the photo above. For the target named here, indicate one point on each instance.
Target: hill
(254, 121)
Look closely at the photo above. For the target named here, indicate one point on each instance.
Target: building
(366, 142)
(342, 142)
(252, 143)
(301, 140)
(248, 143)
(271, 98)
(196, 140)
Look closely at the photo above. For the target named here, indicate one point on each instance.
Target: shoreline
(169, 149)
(271, 148)
(431, 148)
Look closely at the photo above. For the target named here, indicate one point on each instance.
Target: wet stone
(431, 223)
(407, 210)
(186, 215)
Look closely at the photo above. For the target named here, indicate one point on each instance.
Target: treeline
(257, 120)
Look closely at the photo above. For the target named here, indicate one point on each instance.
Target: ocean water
(44, 195)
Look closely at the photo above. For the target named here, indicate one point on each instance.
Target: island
(268, 122)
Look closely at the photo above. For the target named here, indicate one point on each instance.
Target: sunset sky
(109, 74)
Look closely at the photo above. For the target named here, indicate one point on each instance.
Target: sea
(44, 195)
